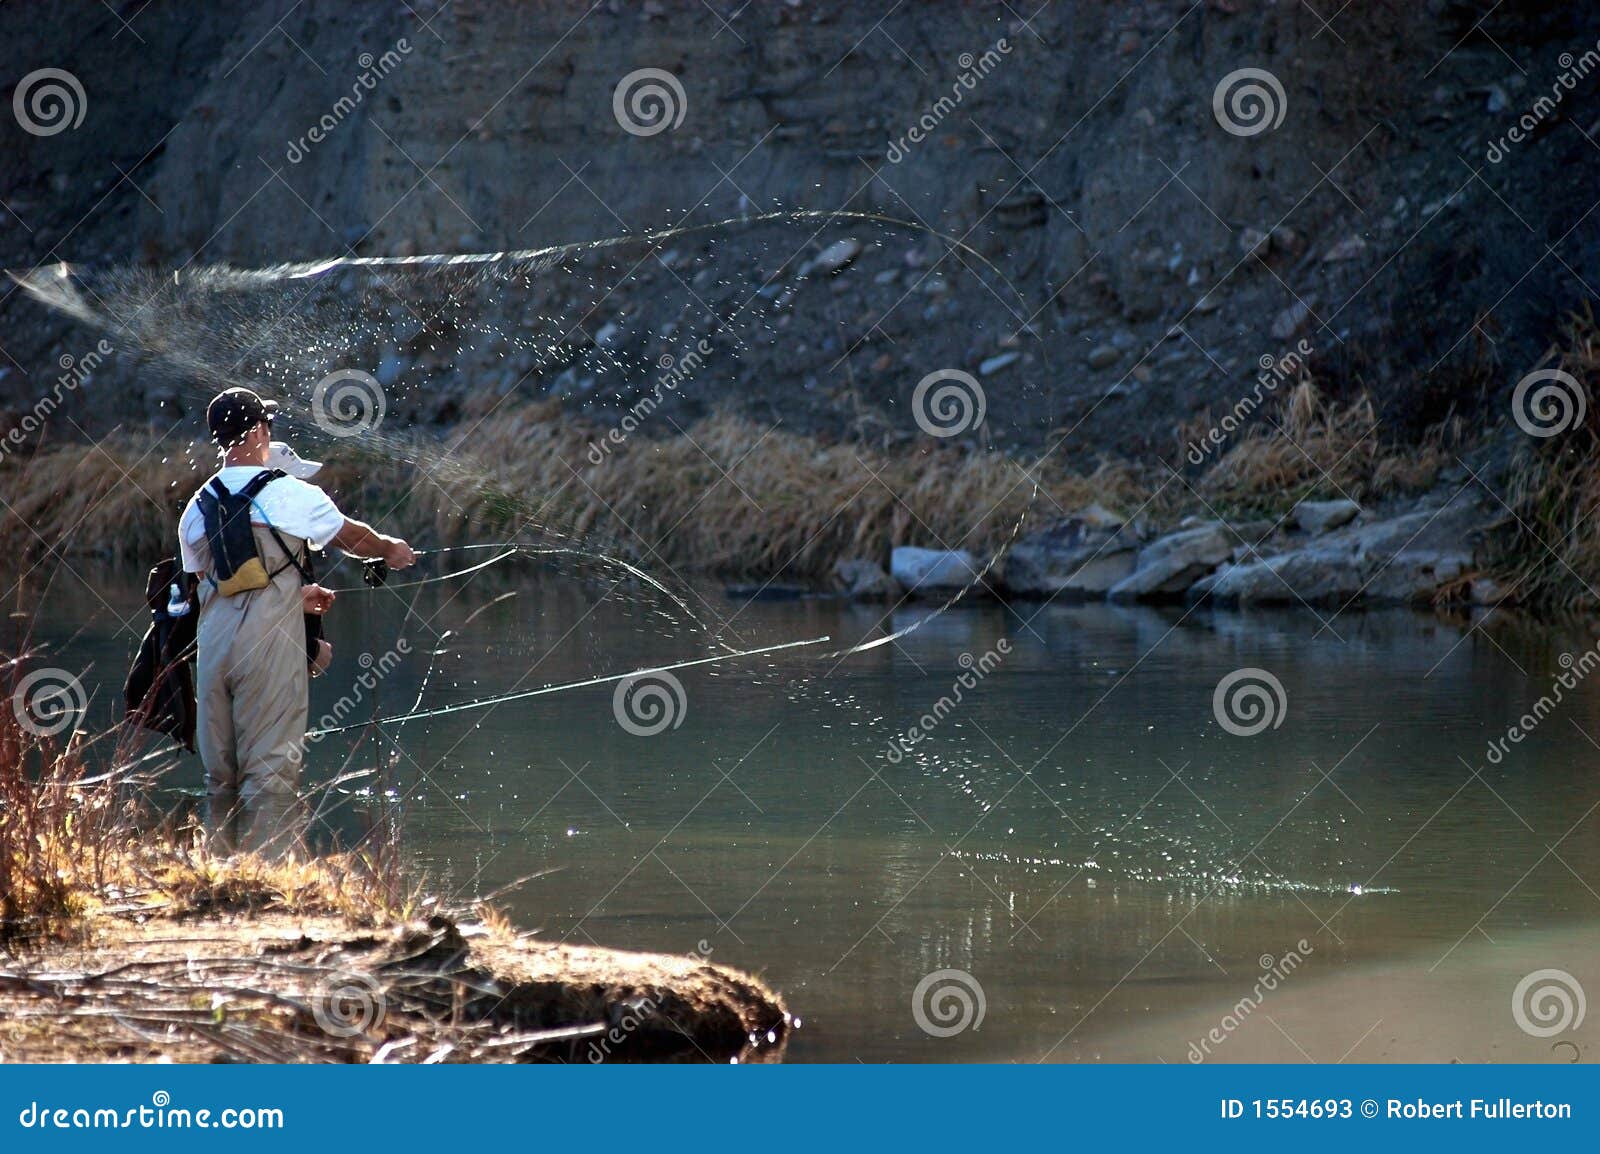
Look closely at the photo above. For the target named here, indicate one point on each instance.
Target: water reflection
(1079, 835)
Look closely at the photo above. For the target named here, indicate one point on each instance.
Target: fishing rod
(522, 695)
(375, 571)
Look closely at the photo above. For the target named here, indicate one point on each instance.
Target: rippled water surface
(1079, 835)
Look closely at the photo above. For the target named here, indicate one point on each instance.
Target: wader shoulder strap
(307, 577)
(251, 490)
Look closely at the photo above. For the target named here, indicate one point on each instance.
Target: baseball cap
(281, 456)
(234, 412)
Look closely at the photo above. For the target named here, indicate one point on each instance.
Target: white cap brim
(281, 456)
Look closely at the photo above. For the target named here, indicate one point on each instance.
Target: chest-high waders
(251, 684)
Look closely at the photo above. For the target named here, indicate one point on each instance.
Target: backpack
(236, 564)
(159, 691)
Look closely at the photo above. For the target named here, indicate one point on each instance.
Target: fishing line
(513, 548)
(542, 258)
(248, 326)
(485, 702)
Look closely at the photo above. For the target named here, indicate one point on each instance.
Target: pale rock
(1169, 565)
(1316, 517)
(1291, 320)
(1104, 356)
(833, 258)
(932, 570)
(1404, 559)
(1347, 249)
(1081, 556)
(997, 362)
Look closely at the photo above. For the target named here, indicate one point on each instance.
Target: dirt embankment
(281, 988)
(1089, 163)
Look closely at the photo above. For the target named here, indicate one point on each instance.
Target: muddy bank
(279, 988)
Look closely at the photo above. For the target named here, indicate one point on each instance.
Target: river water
(1078, 847)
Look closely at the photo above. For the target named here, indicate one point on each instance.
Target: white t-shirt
(289, 505)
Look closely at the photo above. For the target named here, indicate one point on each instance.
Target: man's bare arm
(361, 540)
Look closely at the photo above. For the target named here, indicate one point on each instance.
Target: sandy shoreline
(1420, 1009)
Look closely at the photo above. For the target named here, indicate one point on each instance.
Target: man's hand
(323, 659)
(397, 554)
(315, 599)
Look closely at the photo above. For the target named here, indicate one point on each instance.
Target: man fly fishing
(246, 534)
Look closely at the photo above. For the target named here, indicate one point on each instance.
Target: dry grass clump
(56, 852)
(728, 495)
(119, 498)
(77, 841)
(1553, 546)
(1315, 447)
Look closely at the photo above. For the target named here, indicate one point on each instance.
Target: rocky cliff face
(1171, 218)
